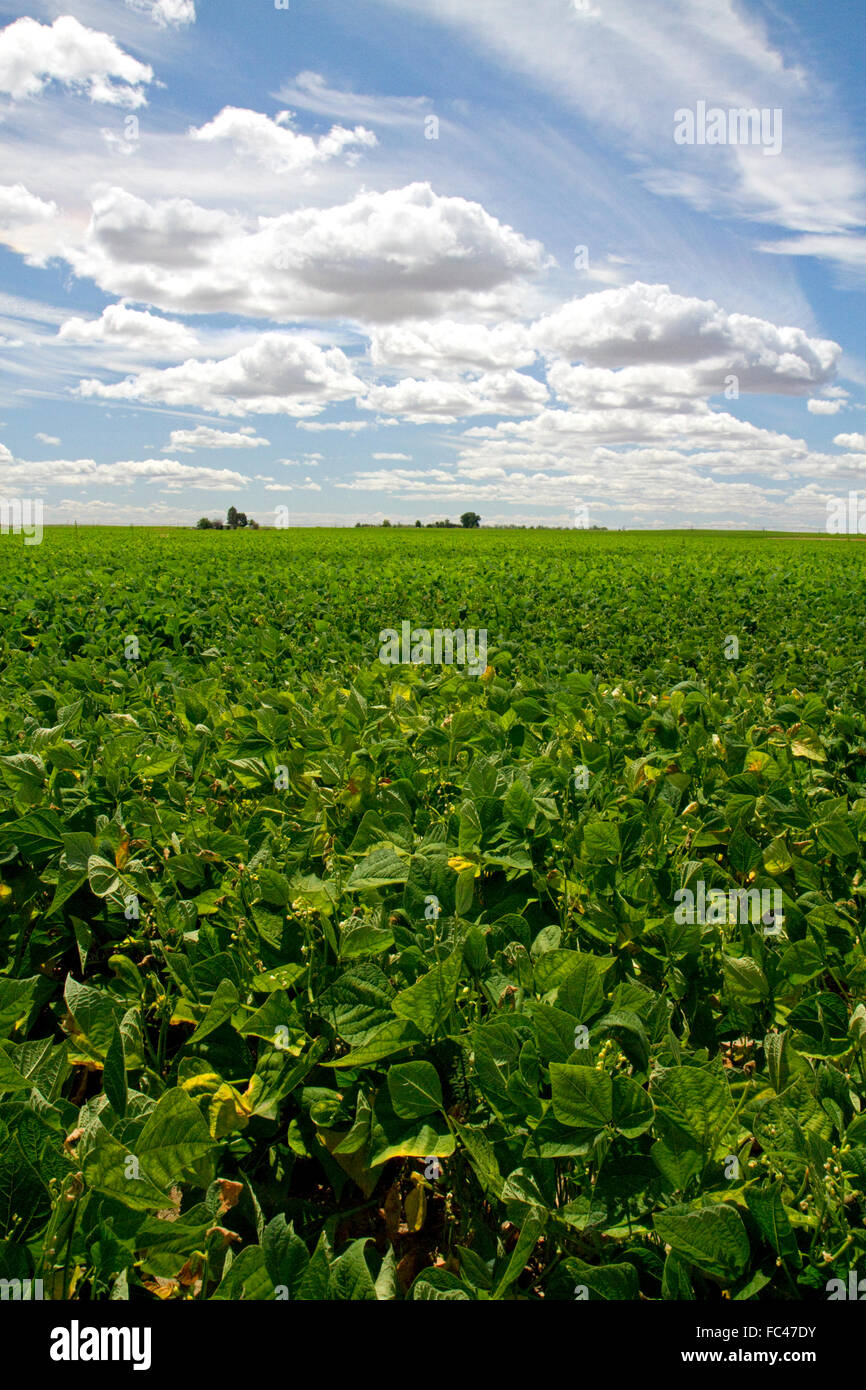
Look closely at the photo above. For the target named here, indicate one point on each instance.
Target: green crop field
(328, 978)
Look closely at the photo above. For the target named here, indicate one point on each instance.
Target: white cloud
(18, 206)
(32, 55)
(629, 67)
(141, 332)
(273, 144)
(278, 374)
(310, 92)
(87, 473)
(379, 257)
(307, 486)
(47, 438)
(396, 458)
(166, 12)
(846, 249)
(820, 407)
(641, 324)
(205, 437)
(339, 426)
(548, 463)
(650, 387)
(857, 442)
(494, 393)
(446, 346)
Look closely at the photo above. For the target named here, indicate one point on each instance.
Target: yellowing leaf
(203, 1081)
(458, 864)
(227, 1112)
(416, 1208)
(808, 748)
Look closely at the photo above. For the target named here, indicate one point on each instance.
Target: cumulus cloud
(278, 374)
(654, 388)
(556, 459)
(205, 437)
(641, 324)
(32, 55)
(275, 145)
(47, 438)
(397, 458)
(20, 207)
(820, 407)
(493, 393)
(857, 442)
(139, 331)
(307, 486)
(378, 258)
(174, 236)
(445, 346)
(87, 473)
(571, 434)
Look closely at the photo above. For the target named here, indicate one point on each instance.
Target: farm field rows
(323, 978)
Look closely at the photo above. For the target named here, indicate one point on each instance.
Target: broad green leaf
(744, 979)
(102, 876)
(582, 1096)
(396, 1036)
(427, 1003)
(632, 1107)
(381, 868)
(603, 1282)
(695, 1104)
(224, 1003)
(415, 1089)
(713, 1238)
(174, 1139)
(110, 1167)
(286, 1255)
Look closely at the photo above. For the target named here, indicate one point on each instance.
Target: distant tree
(253, 525)
(469, 519)
(386, 522)
(204, 523)
(417, 523)
(232, 518)
(242, 519)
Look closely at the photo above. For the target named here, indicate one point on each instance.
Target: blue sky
(418, 256)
